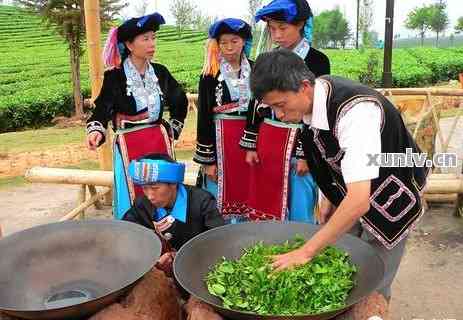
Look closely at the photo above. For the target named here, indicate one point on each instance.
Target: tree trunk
(437, 39)
(422, 39)
(74, 53)
(358, 26)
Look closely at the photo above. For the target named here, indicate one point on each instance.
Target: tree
(339, 28)
(365, 21)
(459, 26)
(439, 19)
(321, 29)
(253, 6)
(201, 21)
(183, 12)
(357, 29)
(140, 7)
(452, 39)
(66, 17)
(372, 38)
(331, 28)
(419, 19)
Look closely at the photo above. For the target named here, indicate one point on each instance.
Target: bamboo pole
(444, 186)
(192, 102)
(93, 32)
(443, 176)
(459, 206)
(442, 92)
(75, 212)
(93, 192)
(81, 199)
(445, 146)
(441, 198)
(437, 183)
(70, 176)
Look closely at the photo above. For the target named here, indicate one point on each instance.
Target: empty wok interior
(80, 260)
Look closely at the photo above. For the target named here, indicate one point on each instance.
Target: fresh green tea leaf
(249, 284)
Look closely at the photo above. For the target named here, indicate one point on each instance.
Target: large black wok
(196, 257)
(70, 270)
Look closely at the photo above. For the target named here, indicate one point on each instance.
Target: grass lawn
(54, 138)
(450, 113)
(7, 183)
(41, 139)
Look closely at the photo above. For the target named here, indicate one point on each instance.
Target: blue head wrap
(286, 10)
(148, 171)
(248, 47)
(308, 30)
(135, 26)
(234, 26)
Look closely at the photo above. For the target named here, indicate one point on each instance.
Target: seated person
(175, 211)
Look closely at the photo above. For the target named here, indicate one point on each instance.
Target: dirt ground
(428, 285)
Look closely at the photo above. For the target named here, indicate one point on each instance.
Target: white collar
(302, 48)
(319, 116)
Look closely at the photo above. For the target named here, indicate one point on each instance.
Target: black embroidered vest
(395, 202)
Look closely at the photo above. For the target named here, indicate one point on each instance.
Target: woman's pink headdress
(111, 53)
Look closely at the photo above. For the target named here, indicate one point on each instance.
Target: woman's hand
(93, 140)
(251, 157)
(326, 210)
(165, 263)
(302, 168)
(211, 172)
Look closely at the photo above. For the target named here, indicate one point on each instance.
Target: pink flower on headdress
(111, 54)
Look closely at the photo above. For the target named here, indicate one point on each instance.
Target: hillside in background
(35, 83)
(444, 42)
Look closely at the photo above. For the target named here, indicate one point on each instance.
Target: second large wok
(196, 257)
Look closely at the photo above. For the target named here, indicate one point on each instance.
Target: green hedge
(35, 108)
(414, 67)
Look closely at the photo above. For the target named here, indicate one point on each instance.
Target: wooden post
(444, 186)
(93, 192)
(441, 198)
(81, 199)
(93, 32)
(75, 212)
(388, 43)
(459, 206)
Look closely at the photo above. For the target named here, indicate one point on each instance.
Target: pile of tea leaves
(250, 284)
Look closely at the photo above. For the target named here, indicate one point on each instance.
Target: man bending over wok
(346, 127)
